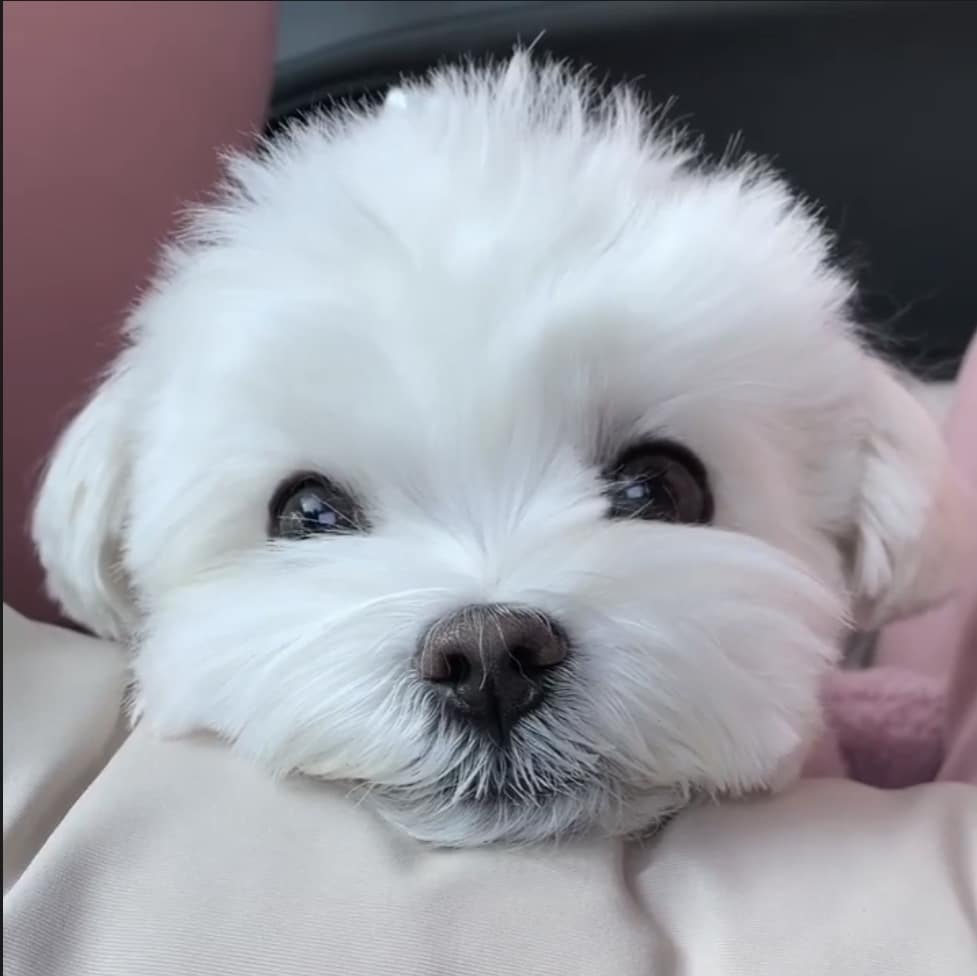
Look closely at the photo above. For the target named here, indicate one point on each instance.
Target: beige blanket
(175, 858)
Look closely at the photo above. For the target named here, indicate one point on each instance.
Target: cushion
(180, 858)
(62, 696)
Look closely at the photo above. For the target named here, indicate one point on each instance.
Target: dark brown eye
(309, 504)
(662, 481)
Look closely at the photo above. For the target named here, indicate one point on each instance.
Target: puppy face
(488, 454)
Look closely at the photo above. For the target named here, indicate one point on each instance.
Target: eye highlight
(310, 504)
(661, 481)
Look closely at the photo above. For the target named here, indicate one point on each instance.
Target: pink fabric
(944, 641)
(112, 117)
(889, 724)
(960, 618)
(960, 764)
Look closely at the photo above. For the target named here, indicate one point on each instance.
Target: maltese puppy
(493, 454)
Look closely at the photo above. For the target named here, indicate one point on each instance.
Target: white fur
(462, 306)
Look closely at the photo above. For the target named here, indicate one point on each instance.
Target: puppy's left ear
(916, 522)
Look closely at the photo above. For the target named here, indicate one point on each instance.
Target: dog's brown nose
(490, 662)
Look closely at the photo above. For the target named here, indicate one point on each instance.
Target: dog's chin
(489, 799)
(488, 802)
(515, 818)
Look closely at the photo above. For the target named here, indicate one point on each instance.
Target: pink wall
(112, 115)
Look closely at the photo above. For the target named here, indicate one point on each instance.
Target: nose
(489, 662)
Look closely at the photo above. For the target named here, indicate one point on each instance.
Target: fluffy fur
(461, 306)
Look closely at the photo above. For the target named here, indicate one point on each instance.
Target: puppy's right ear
(916, 526)
(81, 509)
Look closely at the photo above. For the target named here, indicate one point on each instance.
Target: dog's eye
(310, 504)
(659, 480)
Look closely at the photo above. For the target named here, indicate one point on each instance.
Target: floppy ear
(80, 512)
(916, 518)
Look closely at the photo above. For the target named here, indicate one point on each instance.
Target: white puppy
(489, 452)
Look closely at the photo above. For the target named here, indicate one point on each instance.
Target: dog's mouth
(455, 817)
(539, 761)
(545, 780)
(505, 784)
(465, 811)
(522, 790)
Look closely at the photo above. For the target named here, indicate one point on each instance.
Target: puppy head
(488, 452)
